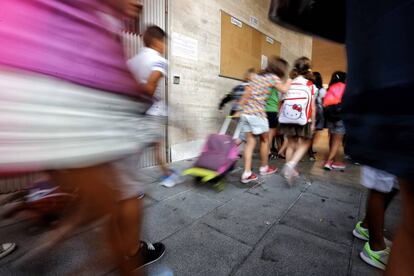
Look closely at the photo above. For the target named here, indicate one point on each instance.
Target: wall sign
(236, 22)
(254, 21)
(270, 40)
(184, 46)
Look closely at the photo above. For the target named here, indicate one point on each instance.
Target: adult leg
(375, 219)
(96, 199)
(402, 254)
(388, 198)
(125, 233)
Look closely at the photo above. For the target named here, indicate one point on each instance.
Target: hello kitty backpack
(297, 104)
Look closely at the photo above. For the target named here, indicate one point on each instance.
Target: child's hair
(277, 66)
(302, 67)
(248, 73)
(338, 76)
(317, 80)
(153, 32)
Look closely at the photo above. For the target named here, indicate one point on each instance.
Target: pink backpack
(297, 104)
(334, 94)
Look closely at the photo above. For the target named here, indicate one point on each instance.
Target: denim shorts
(254, 124)
(337, 127)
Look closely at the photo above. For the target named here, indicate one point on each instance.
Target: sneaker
(290, 174)
(328, 166)
(338, 166)
(251, 178)
(269, 170)
(361, 232)
(147, 254)
(378, 259)
(170, 181)
(141, 195)
(6, 249)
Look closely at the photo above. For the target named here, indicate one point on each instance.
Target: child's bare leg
(166, 171)
(248, 151)
(264, 149)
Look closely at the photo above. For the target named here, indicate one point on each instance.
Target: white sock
(291, 164)
(246, 174)
(264, 168)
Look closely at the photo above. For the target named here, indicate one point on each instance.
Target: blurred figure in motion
(237, 93)
(149, 67)
(334, 121)
(378, 104)
(297, 118)
(235, 96)
(69, 106)
(254, 120)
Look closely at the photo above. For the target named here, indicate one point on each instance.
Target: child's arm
(283, 87)
(152, 83)
(247, 94)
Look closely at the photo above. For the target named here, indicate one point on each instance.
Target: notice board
(243, 47)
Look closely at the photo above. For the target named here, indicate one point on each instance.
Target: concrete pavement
(266, 228)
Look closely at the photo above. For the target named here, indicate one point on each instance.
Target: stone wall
(194, 101)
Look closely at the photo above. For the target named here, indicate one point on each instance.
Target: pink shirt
(68, 39)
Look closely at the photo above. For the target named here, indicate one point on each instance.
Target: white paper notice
(264, 62)
(184, 46)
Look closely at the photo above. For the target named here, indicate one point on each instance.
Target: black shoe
(150, 253)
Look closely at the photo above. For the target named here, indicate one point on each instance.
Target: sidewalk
(265, 229)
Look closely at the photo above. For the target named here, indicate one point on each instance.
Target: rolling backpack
(297, 104)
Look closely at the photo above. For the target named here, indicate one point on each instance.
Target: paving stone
(161, 221)
(160, 193)
(192, 204)
(84, 252)
(247, 217)
(324, 217)
(288, 251)
(200, 250)
(334, 191)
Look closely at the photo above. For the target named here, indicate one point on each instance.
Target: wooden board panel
(242, 48)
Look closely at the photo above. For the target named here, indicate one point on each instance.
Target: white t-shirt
(142, 65)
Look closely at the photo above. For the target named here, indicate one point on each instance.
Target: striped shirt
(260, 86)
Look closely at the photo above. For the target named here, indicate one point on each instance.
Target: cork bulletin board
(243, 47)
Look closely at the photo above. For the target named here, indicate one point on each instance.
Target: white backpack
(297, 104)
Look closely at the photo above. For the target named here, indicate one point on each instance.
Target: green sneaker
(378, 259)
(361, 232)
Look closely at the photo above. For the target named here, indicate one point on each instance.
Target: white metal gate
(154, 13)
